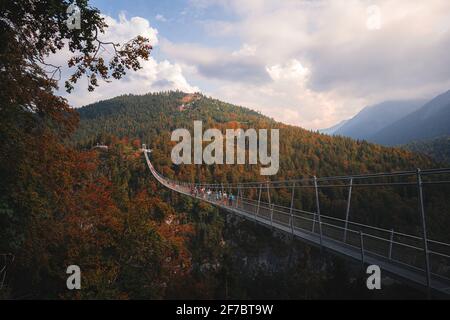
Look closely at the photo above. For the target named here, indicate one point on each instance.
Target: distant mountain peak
(375, 117)
(331, 130)
(430, 121)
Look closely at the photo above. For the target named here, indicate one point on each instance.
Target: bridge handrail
(330, 217)
(349, 222)
(336, 178)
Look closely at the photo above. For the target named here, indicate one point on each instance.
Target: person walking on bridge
(230, 199)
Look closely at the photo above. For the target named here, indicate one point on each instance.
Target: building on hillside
(100, 146)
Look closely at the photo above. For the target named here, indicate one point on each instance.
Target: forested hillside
(101, 209)
(437, 148)
(152, 118)
(303, 153)
(134, 239)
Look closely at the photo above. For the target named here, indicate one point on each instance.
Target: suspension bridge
(414, 259)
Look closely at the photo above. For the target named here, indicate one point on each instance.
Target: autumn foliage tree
(60, 206)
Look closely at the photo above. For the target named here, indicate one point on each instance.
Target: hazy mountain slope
(437, 148)
(372, 119)
(333, 129)
(430, 121)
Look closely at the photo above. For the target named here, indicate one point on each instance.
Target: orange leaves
(151, 213)
(136, 143)
(233, 124)
(95, 210)
(190, 97)
(176, 234)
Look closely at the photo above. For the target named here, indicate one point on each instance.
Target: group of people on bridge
(218, 195)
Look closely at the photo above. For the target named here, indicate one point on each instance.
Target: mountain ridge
(331, 130)
(430, 121)
(374, 118)
(152, 117)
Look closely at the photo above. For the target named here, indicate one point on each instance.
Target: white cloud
(125, 29)
(374, 18)
(326, 59)
(160, 17)
(287, 97)
(291, 71)
(309, 63)
(245, 51)
(154, 75)
(218, 63)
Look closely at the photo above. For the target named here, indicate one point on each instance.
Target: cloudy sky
(305, 62)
